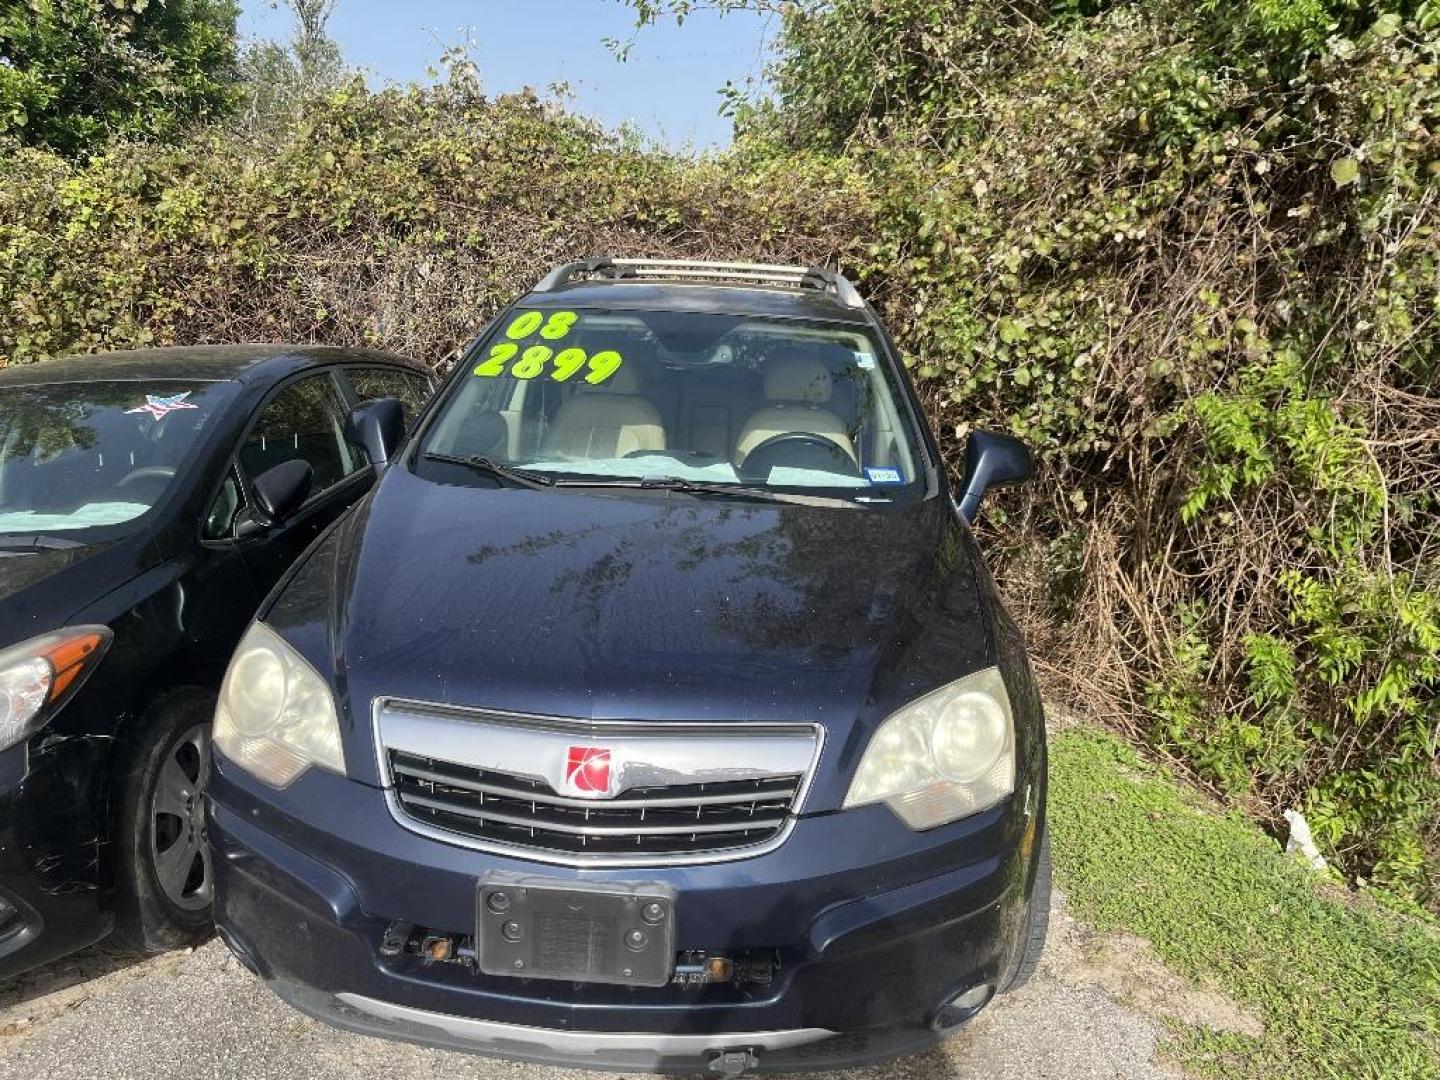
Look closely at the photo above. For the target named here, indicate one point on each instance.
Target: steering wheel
(797, 450)
(146, 472)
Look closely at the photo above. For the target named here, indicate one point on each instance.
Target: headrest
(626, 380)
(796, 376)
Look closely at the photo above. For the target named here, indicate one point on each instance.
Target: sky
(668, 87)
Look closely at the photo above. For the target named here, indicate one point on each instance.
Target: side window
(305, 422)
(229, 501)
(412, 390)
(421, 388)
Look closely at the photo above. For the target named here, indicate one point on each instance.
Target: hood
(635, 605)
(42, 587)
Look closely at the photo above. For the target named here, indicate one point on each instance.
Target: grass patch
(1343, 987)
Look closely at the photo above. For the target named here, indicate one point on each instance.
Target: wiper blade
(36, 542)
(481, 463)
(703, 487)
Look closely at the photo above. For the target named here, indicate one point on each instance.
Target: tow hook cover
(734, 1062)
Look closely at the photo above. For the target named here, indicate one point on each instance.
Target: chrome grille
(674, 792)
(660, 819)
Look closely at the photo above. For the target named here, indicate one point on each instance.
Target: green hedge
(400, 218)
(1190, 252)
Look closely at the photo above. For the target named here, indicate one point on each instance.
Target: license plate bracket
(601, 932)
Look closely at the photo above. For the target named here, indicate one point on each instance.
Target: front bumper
(643, 1051)
(50, 897)
(875, 927)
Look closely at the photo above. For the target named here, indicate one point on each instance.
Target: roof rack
(764, 275)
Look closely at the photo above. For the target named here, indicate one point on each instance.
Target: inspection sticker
(884, 476)
(159, 407)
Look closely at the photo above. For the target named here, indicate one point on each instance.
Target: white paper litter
(1301, 840)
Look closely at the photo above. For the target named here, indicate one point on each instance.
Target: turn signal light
(68, 658)
(38, 676)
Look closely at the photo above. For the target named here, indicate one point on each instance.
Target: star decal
(159, 407)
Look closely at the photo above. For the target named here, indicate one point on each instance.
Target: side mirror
(280, 491)
(991, 460)
(377, 426)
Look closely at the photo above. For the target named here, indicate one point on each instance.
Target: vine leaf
(1345, 170)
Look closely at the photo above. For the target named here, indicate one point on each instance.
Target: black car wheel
(166, 884)
(1037, 923)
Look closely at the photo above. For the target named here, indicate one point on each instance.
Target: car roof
(653, 295)
(197, 363)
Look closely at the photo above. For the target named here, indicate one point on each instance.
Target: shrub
(76, 72)
(1190, 253)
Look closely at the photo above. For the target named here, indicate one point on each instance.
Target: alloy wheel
(177, 818)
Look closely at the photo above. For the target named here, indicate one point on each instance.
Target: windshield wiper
(481, 463)
(704, 487)
(523, 478)
(36, 542)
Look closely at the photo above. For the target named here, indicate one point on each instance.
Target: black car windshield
(730, 400)
(84, 456)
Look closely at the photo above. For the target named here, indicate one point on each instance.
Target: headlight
(944, 756)
(39, 675)
(276, 716)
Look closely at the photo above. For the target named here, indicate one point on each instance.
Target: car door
(303, 420)
(220, 589)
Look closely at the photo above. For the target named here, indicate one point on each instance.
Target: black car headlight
(276, 715)
(39, 675)
(942, 757)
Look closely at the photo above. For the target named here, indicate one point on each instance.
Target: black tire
(1037, 923)
(163, 899)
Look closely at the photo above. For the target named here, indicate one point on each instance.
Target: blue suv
(655, 710)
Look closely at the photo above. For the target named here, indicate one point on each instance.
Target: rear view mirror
(991, 460)
(377, 426)
(280, 491)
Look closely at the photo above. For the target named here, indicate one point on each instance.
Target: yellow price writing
(552, 329)
(558, 325)
(532, 363)
(603, 365)
(567, 363)
(524, 326)
(494, 364)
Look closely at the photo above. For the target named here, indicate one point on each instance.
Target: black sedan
(148, 502)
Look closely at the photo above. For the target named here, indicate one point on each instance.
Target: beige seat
(605, 421)
(796, 386)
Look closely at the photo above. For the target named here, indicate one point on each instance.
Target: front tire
(1037, 923)
(165, 882)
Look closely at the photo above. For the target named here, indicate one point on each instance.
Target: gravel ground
(198, 1015)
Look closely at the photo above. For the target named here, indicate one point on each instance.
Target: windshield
(77, 456)
(718, 399)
